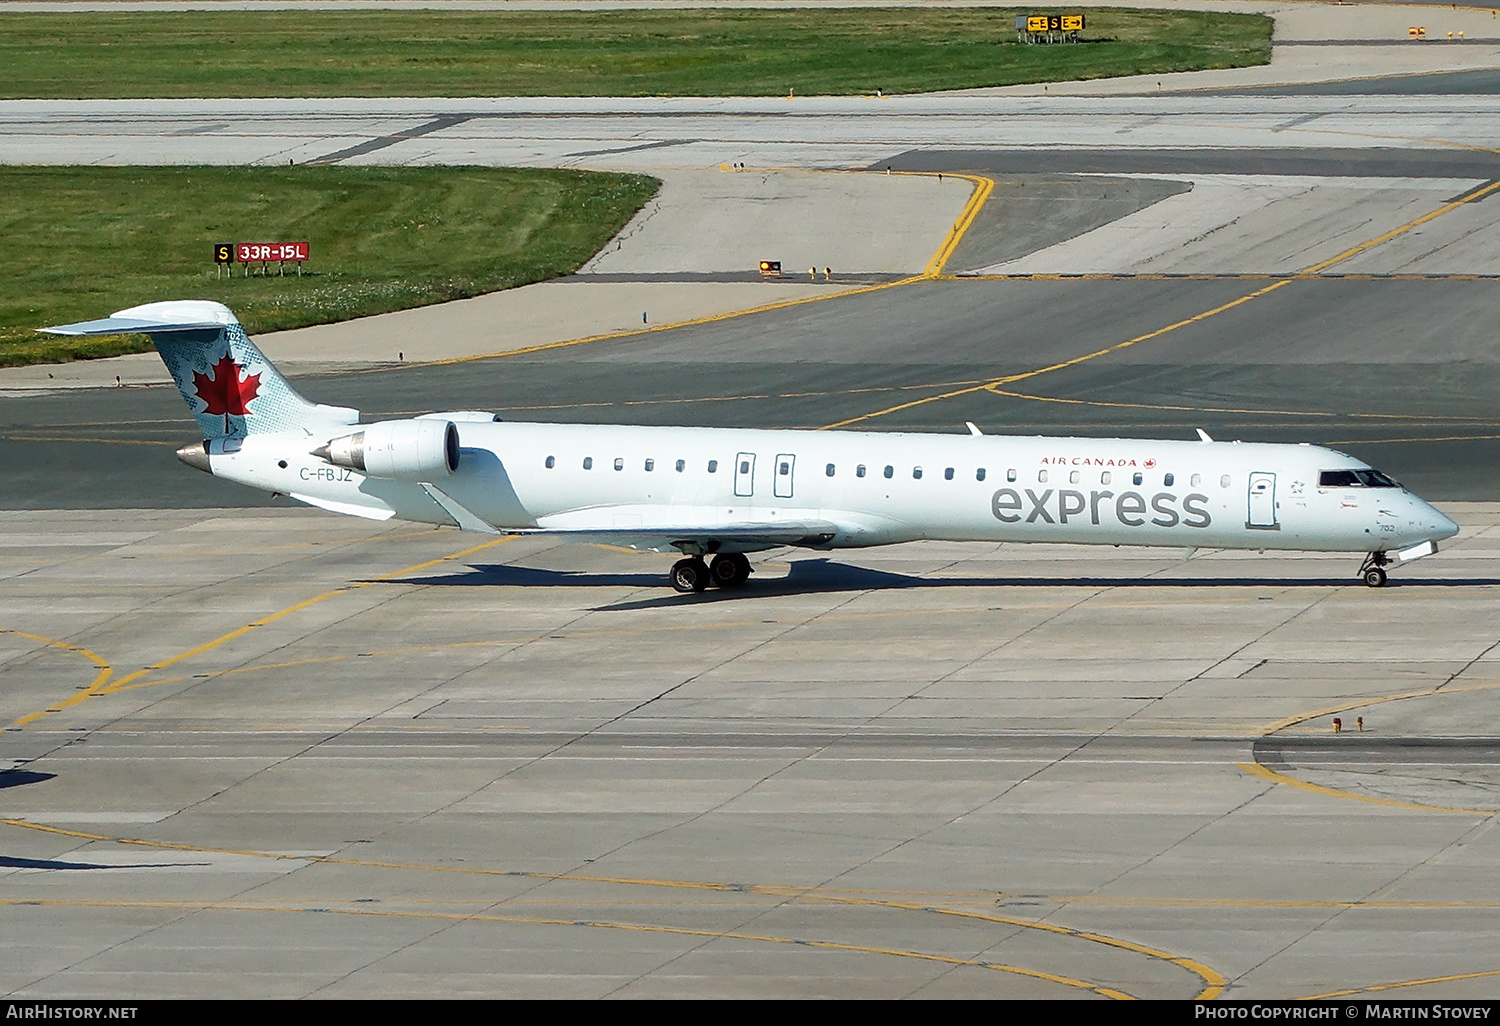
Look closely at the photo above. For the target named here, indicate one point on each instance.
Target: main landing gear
(728, 570)
(1373, 570)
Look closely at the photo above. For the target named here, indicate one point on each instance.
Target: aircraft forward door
(1261, 514)
(744, 474)
(786, 464)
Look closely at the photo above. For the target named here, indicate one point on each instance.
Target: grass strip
(594, 53)
(82, 242)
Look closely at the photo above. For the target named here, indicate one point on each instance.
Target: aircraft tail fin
(227, 382)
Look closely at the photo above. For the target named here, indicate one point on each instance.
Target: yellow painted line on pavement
(100, 687)
(955, 234)
(1283, 280)
(1479, 193)
(597, 924)
(1378, 987)
(95, 687)
(983, 188)
(1233, 409)
(1256, 770)
(1361, 703)
(1011, 378)
(1213, 981)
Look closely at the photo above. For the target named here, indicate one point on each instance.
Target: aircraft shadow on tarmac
(12, 862)
(16, 777)
(823, 575)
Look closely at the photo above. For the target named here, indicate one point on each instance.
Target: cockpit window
(1354, 479)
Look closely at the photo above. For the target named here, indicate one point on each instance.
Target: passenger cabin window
(916, 473)
(619, 463)
(1104, 477)
(650, 465)
(1168, 480)
(890, 471)
(551, 462)
(1354, 479)
(1195, 480)
(1010, 475)
(948, 474)
(1224, 481)
(784, 469)
(1041, 476)
(681, 466)
(828, 470)
(713, 466)
(859, 471)
(588, 463)
(979, 474)
(744, 466)
(1136, 479)
(1073, 477)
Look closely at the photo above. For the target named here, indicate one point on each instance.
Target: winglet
(1202, 435)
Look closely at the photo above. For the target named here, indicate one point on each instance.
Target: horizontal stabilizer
(154, 318)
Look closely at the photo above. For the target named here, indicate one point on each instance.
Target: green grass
(593, 53)
(81, 242)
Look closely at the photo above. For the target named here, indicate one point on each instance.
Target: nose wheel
(1373, 570)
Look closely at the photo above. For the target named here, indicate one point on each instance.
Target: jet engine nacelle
(411, 450)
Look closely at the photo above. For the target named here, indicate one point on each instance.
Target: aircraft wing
(747, 536)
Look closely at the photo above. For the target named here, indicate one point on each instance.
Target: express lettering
(1129, 508)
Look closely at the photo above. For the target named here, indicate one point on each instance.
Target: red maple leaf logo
(224, 393)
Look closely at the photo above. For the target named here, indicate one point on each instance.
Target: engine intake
(404, 449)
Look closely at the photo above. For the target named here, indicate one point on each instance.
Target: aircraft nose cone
(1442, 526)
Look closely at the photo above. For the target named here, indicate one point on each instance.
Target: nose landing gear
(1373, 570)
(728, 570)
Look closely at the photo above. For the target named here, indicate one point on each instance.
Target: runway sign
(262, 252)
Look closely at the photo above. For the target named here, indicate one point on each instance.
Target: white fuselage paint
(1033, 489)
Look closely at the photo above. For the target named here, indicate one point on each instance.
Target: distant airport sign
(262, 252)
(1048, 28)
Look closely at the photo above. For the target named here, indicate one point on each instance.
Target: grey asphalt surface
(370, 762)
(1333, 362)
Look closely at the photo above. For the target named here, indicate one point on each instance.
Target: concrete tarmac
(273, 752)
(439, 766)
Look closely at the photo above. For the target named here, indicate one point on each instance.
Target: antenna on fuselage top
(1202, 435)
(972, 429)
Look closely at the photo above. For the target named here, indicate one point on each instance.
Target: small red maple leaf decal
(224, 393)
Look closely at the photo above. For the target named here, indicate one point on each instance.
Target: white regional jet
(723, 492)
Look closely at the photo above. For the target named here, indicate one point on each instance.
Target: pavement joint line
(102, 686)
(1213, 981)
(637, 631)
(1378, 987)
(463, 917)
(1009, 378)
(1292, 721)
(983, 187)
(1257, 770)
(1232, 409)
(1282, 281)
